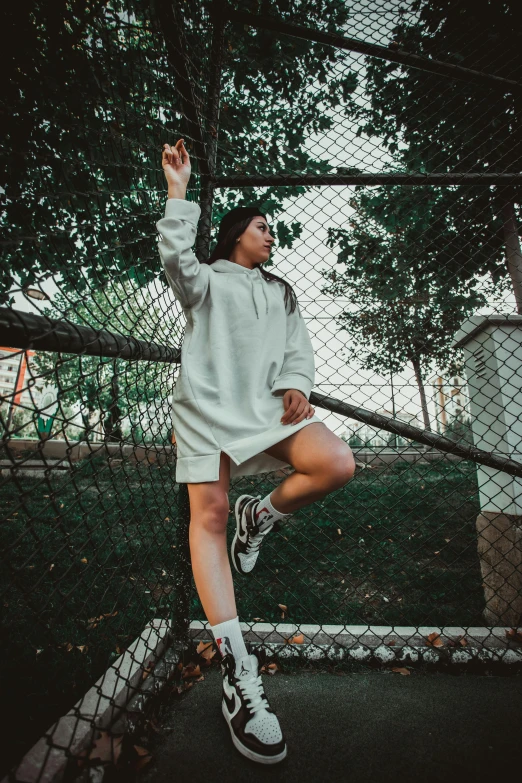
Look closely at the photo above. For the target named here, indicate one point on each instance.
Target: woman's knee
(212, 515)
(341, 467)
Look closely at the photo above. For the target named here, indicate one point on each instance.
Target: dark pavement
(374, 726)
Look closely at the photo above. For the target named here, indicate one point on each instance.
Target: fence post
(493, 357)
(211, 134)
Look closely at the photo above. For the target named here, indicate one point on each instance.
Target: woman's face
(256, 241)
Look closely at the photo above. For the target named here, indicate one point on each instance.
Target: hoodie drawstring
(258, 277)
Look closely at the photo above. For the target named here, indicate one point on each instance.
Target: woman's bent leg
(209, 507)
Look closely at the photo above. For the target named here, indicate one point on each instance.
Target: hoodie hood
(256, 279)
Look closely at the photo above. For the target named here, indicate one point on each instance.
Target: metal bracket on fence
(389, 53)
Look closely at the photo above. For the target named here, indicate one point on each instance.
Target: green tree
(405, 301)
(91, 99)
(113, 387)
(435, 124)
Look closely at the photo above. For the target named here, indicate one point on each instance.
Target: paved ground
(374, 726)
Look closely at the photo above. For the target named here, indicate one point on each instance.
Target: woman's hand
(297, 407)
(176, 165)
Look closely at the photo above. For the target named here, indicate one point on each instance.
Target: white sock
(265, 514)
(229, 638)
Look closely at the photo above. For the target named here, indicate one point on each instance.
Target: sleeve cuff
(293, 381)
(182, 209)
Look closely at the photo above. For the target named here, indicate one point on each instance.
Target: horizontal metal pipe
(40, 333)
(27, 330)
(389, 53)
(385, 178)
(426, 437)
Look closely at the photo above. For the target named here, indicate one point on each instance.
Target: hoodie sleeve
(298, 370)
(185, 275)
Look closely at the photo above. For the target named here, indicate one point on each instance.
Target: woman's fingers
(301, 413)
(295, 413)
(182, 150)
(176, 154)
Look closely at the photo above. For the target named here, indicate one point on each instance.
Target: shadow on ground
(374, 726)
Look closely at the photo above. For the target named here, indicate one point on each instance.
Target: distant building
(449, 398)
(13, 378)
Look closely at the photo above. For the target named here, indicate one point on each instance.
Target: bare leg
(209, 506)
(322, 462)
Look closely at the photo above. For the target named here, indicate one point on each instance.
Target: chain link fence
(383, 141)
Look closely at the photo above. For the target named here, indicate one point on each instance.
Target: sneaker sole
(233, 545)
(250, 754)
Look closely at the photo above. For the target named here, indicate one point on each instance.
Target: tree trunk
(422, 393)
(112, 424)
(513, 251)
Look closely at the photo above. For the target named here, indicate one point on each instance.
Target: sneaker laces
(254, 542)
(252, 689)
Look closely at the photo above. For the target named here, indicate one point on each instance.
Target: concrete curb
(377, 644)
(97, 709)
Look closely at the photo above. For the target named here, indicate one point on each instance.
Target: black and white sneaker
(253, 724)
(244, 550)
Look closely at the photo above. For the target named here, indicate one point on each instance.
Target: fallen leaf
(145, 673)
(144, 756)
(258, 619)
(514, 635)
(106, 749)
(191, 670)
(283, 607)
(401, 670)
(434, 640)
(391, 643)
(205, 649)
(84, 560)
(339, 531)
(299, 639)
(93, 621)
(51, 567)
(270, 668)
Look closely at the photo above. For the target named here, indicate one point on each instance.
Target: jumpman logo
(243, 670)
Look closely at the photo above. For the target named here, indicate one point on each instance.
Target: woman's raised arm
(176, 166)
(185, 275)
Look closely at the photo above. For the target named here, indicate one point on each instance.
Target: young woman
(240, 407)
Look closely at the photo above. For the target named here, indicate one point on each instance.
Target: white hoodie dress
(241, 351)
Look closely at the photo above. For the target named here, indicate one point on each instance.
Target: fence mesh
(411, 287)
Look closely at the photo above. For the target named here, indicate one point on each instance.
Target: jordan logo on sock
(224, 645)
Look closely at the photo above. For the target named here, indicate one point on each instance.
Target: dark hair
(224, 249)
